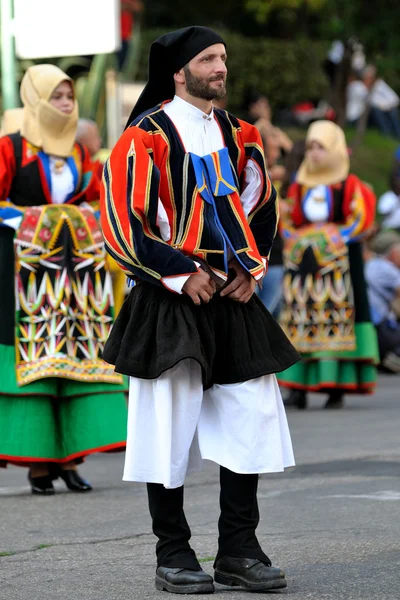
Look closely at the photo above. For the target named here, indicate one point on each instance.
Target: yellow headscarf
(336, 168)
(43, 124)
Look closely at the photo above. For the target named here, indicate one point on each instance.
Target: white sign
(52, 28)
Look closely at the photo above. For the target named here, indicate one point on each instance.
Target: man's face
(205, 74)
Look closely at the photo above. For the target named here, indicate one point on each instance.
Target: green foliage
(92, 94)
(376, 25)
(131, 65)
(373, 160)
(287, 72)
(261, 9)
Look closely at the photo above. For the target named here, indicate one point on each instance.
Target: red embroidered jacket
(351, 205)
(200, 196)
(25, 176)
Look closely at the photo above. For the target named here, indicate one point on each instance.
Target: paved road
(333, 522)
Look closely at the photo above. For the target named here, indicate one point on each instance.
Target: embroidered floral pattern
(65, 299)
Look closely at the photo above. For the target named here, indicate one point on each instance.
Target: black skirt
(7, 298)
(232, 342)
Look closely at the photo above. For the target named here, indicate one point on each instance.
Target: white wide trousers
(173, 424)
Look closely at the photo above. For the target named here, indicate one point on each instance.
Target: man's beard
(201, 88)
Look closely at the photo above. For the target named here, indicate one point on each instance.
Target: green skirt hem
(366, 347)
(352, 372)
(39, 428)
(51, 386)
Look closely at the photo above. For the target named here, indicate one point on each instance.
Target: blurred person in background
(383, 102)
(259, 114)
(344, 57)
(292, 164)
(356, 99)
(382, 273)
(88, 134)
(333, 60)
(273, 155)
(389, 202)
(130, 10)
(59, 401)
(325, 311)
(271, 291)
(281, 176)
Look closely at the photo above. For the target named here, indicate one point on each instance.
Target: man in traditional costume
(189, 213)
(326, 311)
(59, 401)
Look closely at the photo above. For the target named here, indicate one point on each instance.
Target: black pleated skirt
(7, 299)
(232, 342)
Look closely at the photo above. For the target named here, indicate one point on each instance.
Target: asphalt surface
(332, 522)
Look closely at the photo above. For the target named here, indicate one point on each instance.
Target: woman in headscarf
(59, 401)
(326, 313)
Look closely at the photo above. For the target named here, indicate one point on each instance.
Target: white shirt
(383, 97)
(201, 134)
(62, 181)
(389, 206)
(315, 206)
(336, 52)
(356, 100)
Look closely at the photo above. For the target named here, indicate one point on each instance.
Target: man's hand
(242, 287)
(200, 287)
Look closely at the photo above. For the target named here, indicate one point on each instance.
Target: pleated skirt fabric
(232, 342)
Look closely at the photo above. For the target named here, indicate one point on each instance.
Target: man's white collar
(182, 106)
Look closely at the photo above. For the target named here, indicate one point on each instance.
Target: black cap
(168, 54)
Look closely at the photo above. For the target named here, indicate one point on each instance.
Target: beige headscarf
(337, 166)
(43, 124)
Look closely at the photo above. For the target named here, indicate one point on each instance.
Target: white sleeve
(389, 93)
(387, 203)
(253, 187)
(163, 222)
(175, 284)
(383, 97)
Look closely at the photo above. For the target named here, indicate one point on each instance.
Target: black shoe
(297, 399)
(335, 401)
(183, 581)
(249, 573)
(41, 485)
(74, 481)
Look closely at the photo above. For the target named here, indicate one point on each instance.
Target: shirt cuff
(260, 278)
(175, 284)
